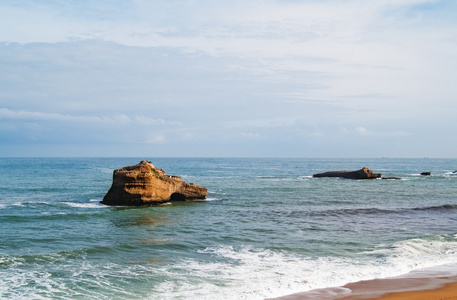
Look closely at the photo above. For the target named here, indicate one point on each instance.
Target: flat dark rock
(363, 173)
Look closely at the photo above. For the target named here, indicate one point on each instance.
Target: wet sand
(422, 291)
(448, 292)
(413, 286)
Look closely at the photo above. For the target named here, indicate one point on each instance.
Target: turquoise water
(267, 228)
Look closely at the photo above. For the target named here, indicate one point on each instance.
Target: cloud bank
(228, 78)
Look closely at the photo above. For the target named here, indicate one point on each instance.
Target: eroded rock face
(144, 184)
(363, 173)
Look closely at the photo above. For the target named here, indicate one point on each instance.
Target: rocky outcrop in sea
(363, 173)
(145, 184)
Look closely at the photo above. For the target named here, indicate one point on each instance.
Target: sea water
(266, 229)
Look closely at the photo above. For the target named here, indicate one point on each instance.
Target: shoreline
(436, 283)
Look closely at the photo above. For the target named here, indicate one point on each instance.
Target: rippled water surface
(267, 228)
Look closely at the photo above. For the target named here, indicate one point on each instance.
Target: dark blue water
(267, 228)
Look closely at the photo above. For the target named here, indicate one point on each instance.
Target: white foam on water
(248, 273)
(11, 261)
(212, 199)
(251, 274)
(32, 203)
(106, 170)
(229, 272)
(84, 205)
(89, 281)
(281, 179)
(216, 193)
(421, 253)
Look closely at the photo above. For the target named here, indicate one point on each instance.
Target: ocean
(267, 228)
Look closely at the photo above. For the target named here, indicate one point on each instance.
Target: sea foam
(84, 205)
(250, 273)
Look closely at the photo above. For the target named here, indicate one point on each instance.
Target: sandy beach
(447, 292)
(418, 285)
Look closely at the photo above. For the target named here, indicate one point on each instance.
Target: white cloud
(362, 131)
(262, 123)
(266, 27)
(8, 114)
(384, 134)
(157, 139)
(149, 121)
(121, 119)
(142, 120)
(217, 71)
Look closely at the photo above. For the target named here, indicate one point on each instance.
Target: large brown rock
(144, 184)
(363, 173)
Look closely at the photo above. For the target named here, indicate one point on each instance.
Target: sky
(206, 78)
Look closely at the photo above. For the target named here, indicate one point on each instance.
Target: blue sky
(268, 78)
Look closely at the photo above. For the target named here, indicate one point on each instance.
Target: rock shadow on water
(139, 217)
